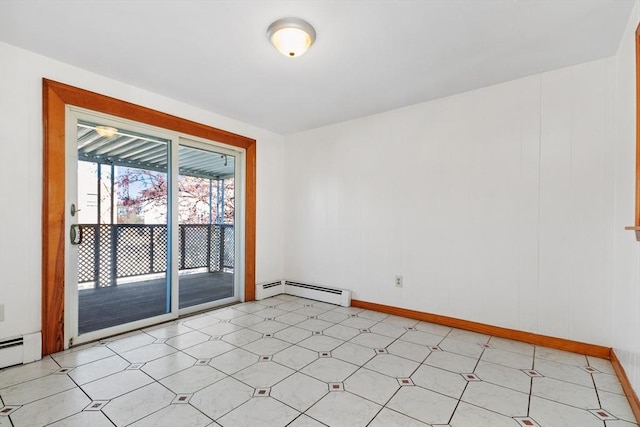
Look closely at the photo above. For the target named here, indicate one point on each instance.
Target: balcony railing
(110, 252)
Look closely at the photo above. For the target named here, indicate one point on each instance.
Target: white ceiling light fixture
(291, 36)
(106, 131)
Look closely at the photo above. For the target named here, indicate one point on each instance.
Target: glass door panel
(123, 219)
(206, 219)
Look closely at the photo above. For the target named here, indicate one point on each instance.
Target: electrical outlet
(398, 281)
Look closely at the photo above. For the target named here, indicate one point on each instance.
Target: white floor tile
(168, 365)
(247, 320)
(292, 334)
(299, 391)
(372, 340)
(408, 350)
(329, 370)
(343, 409)
(505, 401)
(424, 405)
(422, 338)
(358, 322)
(175, 415)
(188, 339)
(353, 353)
(472, 416)
(209, 349)
(393, 366)
(507, 358)
(242, 337)
(503, 376)
(50, 409)
(168, 331)
(561, 356)
(23, 393)
(137, 404)
(314, 325)
(266, 346)
(305, 421)
(320, 343)
(510, 345)
(98, 369)
(116, 385)
(23, 373)
(295, 357)
(77, 358)
(461, 347)
(564, 392)
(234, 361)
(263, 374)
(440, 381)
(333, 316)
(269, 327)
(617, 405)
(451, 362)
(607, 382)
(402, 322)
(388, 418)
(227, 313)
(603, 365)
(192, 379)
(549, 413)
(130, 342)
(84, 419)
(291, 318)
(371, 385)
(388, 330)
(474, 337)
(432, 328)
(560, 371)
(341, 332)
(148, 353)
(199, 322)
(221, 397)
(260, 411)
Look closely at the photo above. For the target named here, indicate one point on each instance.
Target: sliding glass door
(152, 226)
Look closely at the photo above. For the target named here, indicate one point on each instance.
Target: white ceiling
(369, 56)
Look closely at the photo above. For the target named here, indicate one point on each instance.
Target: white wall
(21, 74)
(626, 283)
(494, 205)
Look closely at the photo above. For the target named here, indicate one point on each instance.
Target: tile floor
(288, 361)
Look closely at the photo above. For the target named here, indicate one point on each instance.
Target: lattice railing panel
(105, 260)
(87, 254)
(194, 246)
(159, 253)
(133, 250)
(229, 247)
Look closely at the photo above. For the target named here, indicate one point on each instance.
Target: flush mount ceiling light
(291, 36)
(106, 131)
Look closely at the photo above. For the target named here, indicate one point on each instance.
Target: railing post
(114, 260)
(209, 247)
(221, 263)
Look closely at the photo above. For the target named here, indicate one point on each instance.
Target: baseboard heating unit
(320, 293)
(18, 350)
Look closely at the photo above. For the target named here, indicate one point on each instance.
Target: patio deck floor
(100, 308)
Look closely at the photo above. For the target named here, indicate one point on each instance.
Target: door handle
(75, 234)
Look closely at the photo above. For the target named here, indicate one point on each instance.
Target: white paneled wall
(494, 205)
(626, 251)
(21, 74)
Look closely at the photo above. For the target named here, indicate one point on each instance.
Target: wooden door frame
(56, 96)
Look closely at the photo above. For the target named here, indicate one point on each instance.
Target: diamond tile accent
(317, 332)
(324, 354)
(96, 405)
(381, 351)
(471, 377)
(215, 338)
(602, 414)
(63, 371)
(434, 348)
(364, 330)
(410, 328)
(336, 387)
(134, 366)
(405, 381)
(160, 341)
(202, 362)
(182, 398)
(266, 358)
(591, 370)
(533, 373)
(5, 411)
(526, 421)
(262, 392)
(485, 345)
